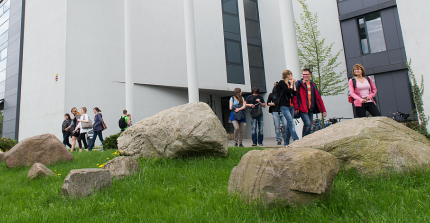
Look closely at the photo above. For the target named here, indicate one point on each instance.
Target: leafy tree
(317, 56)
(417, 94)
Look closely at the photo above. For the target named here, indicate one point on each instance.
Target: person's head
(84, 110)
(67, 116)
(287, 75)
(358, 70)
(238, 95)
(96, 110)
(256, 91)
(75, 112)
(129, 116)
(307, 74)
(124, 112)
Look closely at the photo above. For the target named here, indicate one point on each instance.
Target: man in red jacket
(309, 101)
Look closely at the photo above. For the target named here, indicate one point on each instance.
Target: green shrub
(110, 142)
(6, 144)
(415, 125)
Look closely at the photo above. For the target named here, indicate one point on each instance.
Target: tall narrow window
(371, 33)
(255, 51)
(232, 42)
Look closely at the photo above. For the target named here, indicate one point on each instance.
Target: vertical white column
(190, 42)
(289, 37)
(129, 83)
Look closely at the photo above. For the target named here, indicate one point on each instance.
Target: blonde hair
(286, 73)
(85, 109)
(76, 110)
(359, 66)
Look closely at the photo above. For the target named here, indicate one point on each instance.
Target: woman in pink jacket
(363, 92)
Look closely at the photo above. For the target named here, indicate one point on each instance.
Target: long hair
(359, 66)
(237, 95)
(97, 109)
(68, 116)
(76, 110)
(285, 74)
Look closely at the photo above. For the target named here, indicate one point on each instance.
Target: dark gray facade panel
(10, 102)
(369, 3)
(389, 68)
(375, 60)
(253, 41)
(11, 92)
(404, 58)
(386, 94)
(12, 70)
(9, 114)
(346, 7)
(390, 29)
(403, 89)
(354, 12)
(399, 28)
(9, 127)
(15, 29)
(383, 1)
(351, 39)
(395, 56)
(351, 62)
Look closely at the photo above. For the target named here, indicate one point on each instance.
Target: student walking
(82, 132)
(275, 110)
(124, 121)
(237, 116)
(363, 90)
(309, 101)
(72, 127)
(256, 103)
(66, 131)
(97, 127)
(287, 86)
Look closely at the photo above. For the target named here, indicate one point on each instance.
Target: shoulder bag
(87, 125)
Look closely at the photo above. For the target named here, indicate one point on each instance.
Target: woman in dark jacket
(66, 131)
(97, 127)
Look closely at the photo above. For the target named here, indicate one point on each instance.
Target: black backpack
(354, 84)
(121, 123)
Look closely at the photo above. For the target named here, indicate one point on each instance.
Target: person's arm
(270, 100)
(285, 87)
(83, 120)
(373, 89)
(231, 103)
(249, 100)
(320, 101)
(262, 102)
(352, 92)
(127, 119)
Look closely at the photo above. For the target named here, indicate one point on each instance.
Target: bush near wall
(6, 144)
(110, 142)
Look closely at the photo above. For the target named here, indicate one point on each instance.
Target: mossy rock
(371, 145)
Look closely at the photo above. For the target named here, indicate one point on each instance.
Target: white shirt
(83, 117)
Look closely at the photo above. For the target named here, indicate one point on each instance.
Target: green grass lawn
(195, 190)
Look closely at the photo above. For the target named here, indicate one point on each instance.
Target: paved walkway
(267, 142)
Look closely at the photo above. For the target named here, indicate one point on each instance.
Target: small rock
(122, 166)
(46, 149)
(39, 170)
(83, 182)
(284, 176)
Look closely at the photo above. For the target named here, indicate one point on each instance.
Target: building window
(232, 42)
(371, 33)
(255, 51)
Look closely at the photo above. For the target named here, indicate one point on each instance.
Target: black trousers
(82, 137)
(360, 112)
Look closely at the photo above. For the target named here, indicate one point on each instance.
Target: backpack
(121, 123)
(354, 84)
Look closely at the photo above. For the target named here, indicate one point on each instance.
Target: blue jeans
(277, 119)
(66, 136)
(95, 134)
(257, 136)
(288, 113)
(307, 119)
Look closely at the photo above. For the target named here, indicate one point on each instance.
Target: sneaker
(235, 145)
(241, 145)
(279, 143)
(254, 144)
(261, 144)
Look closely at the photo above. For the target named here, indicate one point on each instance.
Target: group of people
(291, 98)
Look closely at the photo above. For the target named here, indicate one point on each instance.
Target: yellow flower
(107, 158)
(55, 170)
(76, 157)
(98, 164)
(59, 174)
(122, 151)
(152, 151)
(233, 149)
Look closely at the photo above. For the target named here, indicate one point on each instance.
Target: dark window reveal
(371, 33)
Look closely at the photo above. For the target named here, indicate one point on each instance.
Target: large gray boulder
(284, 176)
(122, 166)
(371, 145)
(39, 170)
(187, 130)
(83, 182)
(46, 149)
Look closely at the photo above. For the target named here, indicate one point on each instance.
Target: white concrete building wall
(43, 98)
(416, 31)
(328, 24)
